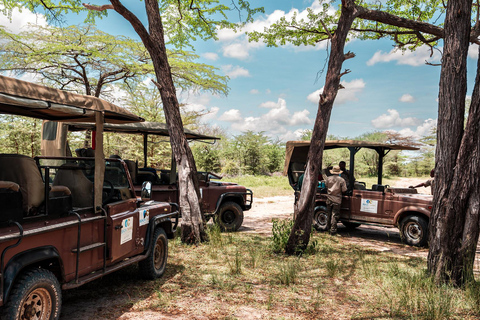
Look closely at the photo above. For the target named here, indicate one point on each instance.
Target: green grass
(246, 279)
(264, 186)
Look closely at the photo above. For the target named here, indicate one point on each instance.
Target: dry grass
(237, 276)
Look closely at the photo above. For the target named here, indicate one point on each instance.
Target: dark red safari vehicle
(381, 205)
(67, 221)
(224, 201)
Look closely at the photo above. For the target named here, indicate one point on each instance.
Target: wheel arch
(230, 197)
(409, 211)
(43, 257)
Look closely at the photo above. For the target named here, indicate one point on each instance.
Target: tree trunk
(300, 234)
(154, 41)
(454, 218)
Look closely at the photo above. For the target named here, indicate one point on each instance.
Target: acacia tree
(181, 21)
(454, 226)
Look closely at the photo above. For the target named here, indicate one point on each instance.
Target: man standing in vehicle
(336, 186)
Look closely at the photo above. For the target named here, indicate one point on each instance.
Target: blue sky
(276, 90)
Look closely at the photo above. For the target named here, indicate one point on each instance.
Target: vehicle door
(369, 206)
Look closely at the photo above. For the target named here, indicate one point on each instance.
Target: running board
(94, 276)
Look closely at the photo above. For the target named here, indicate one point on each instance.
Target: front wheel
(320, 219)
(154, 265)
(36, 295)
(414, 231)
(229, 217)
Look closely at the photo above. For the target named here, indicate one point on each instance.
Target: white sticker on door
(369, 206)
(127, 230)
(144, 217)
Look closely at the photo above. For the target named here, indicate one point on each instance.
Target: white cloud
(21, 19)
(212, 114)
(407, 98)
(393, 119)
(232, 115)
(269, 104)
(235, 71)
(473, 51)
(349, 93)
(275, 122)
(210, 56)
(236, 44)
(422, 130)
(412, 58)
(254, 91)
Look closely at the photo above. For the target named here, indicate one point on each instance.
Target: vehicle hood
(223, 183)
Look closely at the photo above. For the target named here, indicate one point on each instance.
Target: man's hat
(336, 170)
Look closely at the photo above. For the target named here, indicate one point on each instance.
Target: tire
(35, 295)
(154, 265)
(414, 231)
(351, 225)
(229, 217)
(320, 219)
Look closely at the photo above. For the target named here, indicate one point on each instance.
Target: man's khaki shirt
(336, 185)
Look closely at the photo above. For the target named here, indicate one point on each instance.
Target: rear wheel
(414, 231)
(320, 219)
(229, 217)
(154, 265)
(351, 225)
(36, 295)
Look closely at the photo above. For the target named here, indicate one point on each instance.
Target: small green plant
(254, 254)
(472, 294)
(215, 235)
(288, 272)
(235, 266)
(333, 267)
(280, 232)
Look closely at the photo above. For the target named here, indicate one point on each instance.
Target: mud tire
(229, 217)
(320, 219)
(414, 231)
(35, 295)
(154, 265)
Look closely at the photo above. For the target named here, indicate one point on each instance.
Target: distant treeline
(250, 153)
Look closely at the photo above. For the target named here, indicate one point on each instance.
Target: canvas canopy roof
(155, 128)
(33, 100)
(301, 148)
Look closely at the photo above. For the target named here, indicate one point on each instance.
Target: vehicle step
(90, 247)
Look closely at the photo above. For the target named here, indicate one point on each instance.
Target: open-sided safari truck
(380, 205)
(224, 201)
(66, 221)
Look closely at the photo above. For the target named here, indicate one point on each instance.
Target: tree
(454, 226)
(182, 21)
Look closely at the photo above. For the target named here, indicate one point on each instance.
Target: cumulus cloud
(422, 130)
(275, 122)
(349, 93)
(411, 58)
(393, 119)
(21, 19)
(232, 115)
(210, 56)
(473, 51)
(254, 91)
(235, 71)
(237, 46)
(407, 98)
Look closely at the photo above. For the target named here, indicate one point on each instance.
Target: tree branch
(98, 8)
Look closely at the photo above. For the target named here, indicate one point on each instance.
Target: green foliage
(20, 135)
(280, 232)
(288, 271)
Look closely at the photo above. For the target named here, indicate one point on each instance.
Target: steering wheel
(107, 196)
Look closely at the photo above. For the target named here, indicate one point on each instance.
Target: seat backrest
(133, 169)
(378, 187)
(24, 171)
(71, 176)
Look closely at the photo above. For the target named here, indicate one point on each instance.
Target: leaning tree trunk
(300, 234)
(454, 218)
(154, 41)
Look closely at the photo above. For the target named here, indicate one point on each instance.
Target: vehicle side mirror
(146, 193)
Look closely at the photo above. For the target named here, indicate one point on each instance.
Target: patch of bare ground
(236, 276)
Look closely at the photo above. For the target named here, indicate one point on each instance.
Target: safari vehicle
(225, 202)
(381, 205)
(67, 221)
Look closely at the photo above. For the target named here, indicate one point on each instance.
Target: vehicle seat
(81, 187)
(378, 187)
(357, 185)
(133, 169)
(23, 171)
(85, 152)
